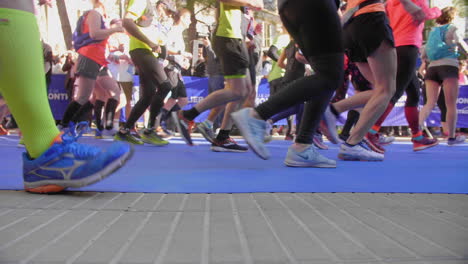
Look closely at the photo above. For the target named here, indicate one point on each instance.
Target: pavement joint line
(309, 232)
(267, 220)
(343, 232)
(205, 254)
(240, 231)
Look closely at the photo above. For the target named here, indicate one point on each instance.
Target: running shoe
(424, 143)
(268, 135)
(109, 133)
(183, 126)
(318, 141)
(308, 158)
(459, 139)
(385, 140)
(372, 141)
(328, 126)
(206, 129)
(98, 134)
(68, 164)
(253, 130)
(359, 152)
(3, 131)
(288, 137)
(149, 136)
(227, 145)
(127, 137)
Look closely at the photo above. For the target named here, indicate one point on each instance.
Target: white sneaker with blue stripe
(310, 157)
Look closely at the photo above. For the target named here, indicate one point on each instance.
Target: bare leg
(432, 94)
(383, 64)
(451, 90)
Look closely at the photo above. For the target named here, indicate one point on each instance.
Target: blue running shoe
(70, 164)
(253, 131)
(310, 157)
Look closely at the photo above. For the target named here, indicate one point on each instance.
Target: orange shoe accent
(3, 131)
(419, 133)
(46, 189)
(57, 139)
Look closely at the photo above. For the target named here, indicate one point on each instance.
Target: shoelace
(69, 143)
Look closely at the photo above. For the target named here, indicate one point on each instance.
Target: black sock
(350, 145)
(175, 108)
(333, 110)
(164, 115)
(223, 135)
(98, 106)
(191, 114)
(450, 138)
(83, 112)
(111, 105)
(72, 108)
(353, 117)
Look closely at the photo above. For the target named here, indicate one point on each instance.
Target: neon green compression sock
(22, 79)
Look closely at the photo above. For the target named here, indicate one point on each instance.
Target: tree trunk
(192, 30)
(65, 21)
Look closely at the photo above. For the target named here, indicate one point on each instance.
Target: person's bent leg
(451, 91)
(432, 93)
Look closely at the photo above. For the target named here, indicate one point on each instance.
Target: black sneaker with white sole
(227, 145)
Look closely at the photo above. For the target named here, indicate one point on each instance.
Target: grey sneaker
(308, 158)
(253, 131)
(206, 130)
(358, 153)
(328, 126)
(459, 139)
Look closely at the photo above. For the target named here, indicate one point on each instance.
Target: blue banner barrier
(197, 90)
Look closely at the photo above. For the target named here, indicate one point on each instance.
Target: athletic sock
(83, 112)
(350, 145)
(71, 110)
(223, 134)
(376, 127)
(98, 106)
(351, 120)
(191, 113)
(23, 79)
(412, 116)
(111, 106)
(333, 110)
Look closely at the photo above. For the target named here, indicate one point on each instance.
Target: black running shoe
(227, 145)
(183, 125)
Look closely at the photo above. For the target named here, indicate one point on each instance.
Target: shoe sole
(187, 139)
(425, 147)
(352, 158)
(220, 149)
(58, 186)
(327, 133)
(307, 165)
(205, 135)
(244, 131)
(149, 142)
(372, 146)
(130, 142)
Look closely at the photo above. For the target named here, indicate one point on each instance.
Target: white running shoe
(308, 158)
(358, 152)
(328, 126)
(386, 140)
(253, 131)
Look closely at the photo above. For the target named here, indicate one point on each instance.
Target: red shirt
(95, 51)
(405, 31)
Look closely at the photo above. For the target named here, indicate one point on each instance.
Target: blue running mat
(178, 168)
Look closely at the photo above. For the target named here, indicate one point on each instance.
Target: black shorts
(364, 34)
(232, 55)
(440, 73)
(87, 68)
(179, 91)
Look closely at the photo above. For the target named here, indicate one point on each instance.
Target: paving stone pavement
(264, 228)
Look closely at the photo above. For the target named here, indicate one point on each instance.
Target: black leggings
(323, 48)
(154, 87)
(406, 75)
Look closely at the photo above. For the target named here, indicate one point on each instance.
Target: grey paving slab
(269, 228)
